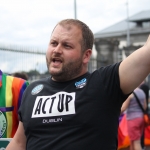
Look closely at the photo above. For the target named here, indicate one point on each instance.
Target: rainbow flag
(11, 91)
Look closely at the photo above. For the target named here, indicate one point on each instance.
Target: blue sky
(30, 22)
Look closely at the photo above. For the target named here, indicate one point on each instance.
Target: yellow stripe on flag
(9, 98)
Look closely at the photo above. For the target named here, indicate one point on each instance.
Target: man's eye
(68, 46)
(53, 43)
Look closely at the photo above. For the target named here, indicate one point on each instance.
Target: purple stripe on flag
(0, 78)
(5, 109)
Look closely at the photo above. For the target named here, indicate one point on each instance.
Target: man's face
(64, 55)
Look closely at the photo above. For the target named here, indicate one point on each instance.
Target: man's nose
(58, 49)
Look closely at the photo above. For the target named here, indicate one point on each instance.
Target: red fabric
(147, 136)
(123, 138)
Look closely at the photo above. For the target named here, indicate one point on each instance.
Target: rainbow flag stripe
(11, 92)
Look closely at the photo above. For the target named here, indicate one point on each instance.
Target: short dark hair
(22, 75)
(87, 34)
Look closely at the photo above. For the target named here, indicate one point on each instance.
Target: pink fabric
(135, 128)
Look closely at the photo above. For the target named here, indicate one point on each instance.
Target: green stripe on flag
(3, 98)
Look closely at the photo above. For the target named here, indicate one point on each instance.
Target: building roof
(141, 16)
(120, 28)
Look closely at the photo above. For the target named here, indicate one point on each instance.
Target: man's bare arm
(19, 140)
(126, 103)
(135, 68)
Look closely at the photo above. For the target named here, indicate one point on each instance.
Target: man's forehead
(67, 26)
(65, 31)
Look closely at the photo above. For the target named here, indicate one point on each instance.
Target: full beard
(68, 71)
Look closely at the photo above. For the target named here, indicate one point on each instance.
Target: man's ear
(87, 55)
